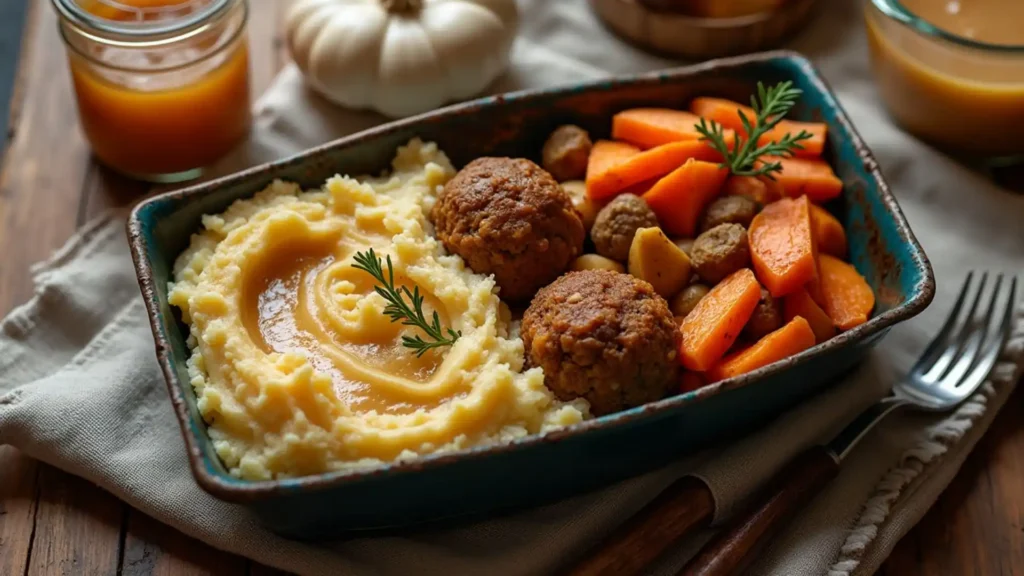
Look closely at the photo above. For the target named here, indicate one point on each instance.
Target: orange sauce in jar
(122, 9)
(163, 105)
(952, 71)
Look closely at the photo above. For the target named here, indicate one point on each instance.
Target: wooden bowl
(679, 35)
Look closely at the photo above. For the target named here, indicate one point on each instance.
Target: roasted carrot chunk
(650, 127)
(794, 337)
(800, 303)
(641, 188)
(759, 189)
(782, 246)
(680, 197)
(842, 293)
(727, 113)
(713, 325)
(829, 235)
(805, 177)
(615, 166)
(608, 154)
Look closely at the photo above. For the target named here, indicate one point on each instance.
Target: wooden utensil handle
(732, 549)
(685, 505)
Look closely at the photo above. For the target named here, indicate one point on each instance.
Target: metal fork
(955, 363)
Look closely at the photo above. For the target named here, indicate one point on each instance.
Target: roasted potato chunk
(656, 259)
(596, 262)
(585, 205)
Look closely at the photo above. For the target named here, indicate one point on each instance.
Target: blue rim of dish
(895, 10)
(226, 487)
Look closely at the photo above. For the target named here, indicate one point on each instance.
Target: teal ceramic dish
(545, 467)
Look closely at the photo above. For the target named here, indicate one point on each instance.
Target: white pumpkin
(401, 57)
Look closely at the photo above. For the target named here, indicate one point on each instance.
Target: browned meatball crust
(508, 217)
(617, 223)
(767, 317)
(720, 252)
(603, 336)
(566, 152)
(729, 210)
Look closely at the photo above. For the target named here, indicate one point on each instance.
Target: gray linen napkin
(80, 389)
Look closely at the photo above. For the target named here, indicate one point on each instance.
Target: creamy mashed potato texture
(296, 367)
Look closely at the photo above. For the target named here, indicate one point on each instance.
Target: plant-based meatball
(767, 317)
(508, 217)
(603, 336)
(617, 223)
(729, 210)
(684, 302)
(720, 252)
(566, 152)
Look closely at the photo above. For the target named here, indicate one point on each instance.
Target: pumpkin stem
(402, 6)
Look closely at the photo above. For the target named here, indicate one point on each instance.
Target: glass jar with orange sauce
(952, 72)
(162, 85)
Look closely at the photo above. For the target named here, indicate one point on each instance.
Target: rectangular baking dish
(545, 467)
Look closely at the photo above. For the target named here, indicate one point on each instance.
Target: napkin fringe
(940, 438)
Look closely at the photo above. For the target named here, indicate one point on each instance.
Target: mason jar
(162, 86)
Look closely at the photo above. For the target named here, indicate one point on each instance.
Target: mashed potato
(296, 367)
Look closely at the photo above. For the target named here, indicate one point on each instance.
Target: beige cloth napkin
(80, 389)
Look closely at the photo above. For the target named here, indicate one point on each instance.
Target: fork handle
(686, 505)
(732, 549)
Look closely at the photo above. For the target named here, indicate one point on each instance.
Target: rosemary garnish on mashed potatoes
(399, 311)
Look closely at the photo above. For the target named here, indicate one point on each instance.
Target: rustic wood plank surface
(54, 523)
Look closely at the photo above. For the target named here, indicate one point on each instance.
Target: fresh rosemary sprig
(399, 311)
(770, 105)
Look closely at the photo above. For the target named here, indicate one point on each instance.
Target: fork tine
(955, 345)
(984, 366)
(971, 348)
(938, 362)
(939, 341)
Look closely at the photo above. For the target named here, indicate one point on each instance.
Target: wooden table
(54, 523)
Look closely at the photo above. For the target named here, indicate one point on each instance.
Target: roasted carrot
(842, 293)
(782, 246)
(713, 325)
(619, 165)
(828, 232)
(607, 154)
(727, 113)
(812, 147)
(690, 381)
(641, 188)
(802, 176)
(800, 303)
(794, 337)
(650, 127)
(758, 188)
(680, 197)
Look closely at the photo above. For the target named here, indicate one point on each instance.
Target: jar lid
(150, 21)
